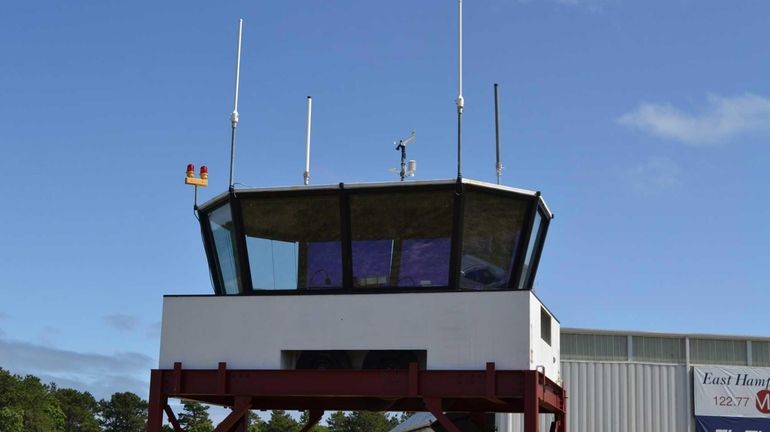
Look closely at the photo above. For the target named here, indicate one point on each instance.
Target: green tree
(124, 412)
(256, 424)
(32, 399)
(367, 421)
(195, 417)
(337, 422)
(281, 422)
(303, 420)
(79, 410)
(11, 416)
(11, 419)
(361, 421)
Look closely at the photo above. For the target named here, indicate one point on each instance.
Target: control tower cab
(369, 276)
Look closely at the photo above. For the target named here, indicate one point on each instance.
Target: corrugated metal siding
(593, 347)
(515, 422)
(619, 397)
(760, 353)
(648, 392)
(718, 351)
(658, 349)
(626, 397)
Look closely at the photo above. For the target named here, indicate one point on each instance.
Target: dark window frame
(537, 252)
(344, 192)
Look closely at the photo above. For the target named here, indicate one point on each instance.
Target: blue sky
(644, 124)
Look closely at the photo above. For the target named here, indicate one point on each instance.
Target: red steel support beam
(314, 416)
(479, 419)
(177, 378)
(157, 402)
(414, 379)
(434, 406)
(470, 391)
(172, 419)
(222, 378)
(532, 399)
(241, 409)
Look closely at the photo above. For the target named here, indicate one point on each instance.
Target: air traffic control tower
(408, 296)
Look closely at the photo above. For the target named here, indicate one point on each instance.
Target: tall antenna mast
(498, 164)
(234, 115)
(307, 141)
(459, 101)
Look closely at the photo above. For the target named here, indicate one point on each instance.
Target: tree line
(29, 405)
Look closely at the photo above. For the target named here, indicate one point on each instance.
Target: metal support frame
(438, 391)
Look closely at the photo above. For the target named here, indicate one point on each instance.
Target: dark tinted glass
(545, 326)
(491, 233)
(221, 222)
(401, 239)
(293, 242)
(532, 249)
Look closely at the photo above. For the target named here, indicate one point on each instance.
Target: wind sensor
(407, 169)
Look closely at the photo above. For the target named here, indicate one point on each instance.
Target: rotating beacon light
(190, 178)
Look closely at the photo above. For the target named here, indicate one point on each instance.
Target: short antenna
(306, 175)
(498, 164)
(234, 115)
(459, 101)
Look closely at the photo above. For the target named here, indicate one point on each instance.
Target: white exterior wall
(459, 330)
(544, 354)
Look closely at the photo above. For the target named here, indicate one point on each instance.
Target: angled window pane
(491, 233)
(293, 242)
(534, 237)
(221, 222)
(401, 239)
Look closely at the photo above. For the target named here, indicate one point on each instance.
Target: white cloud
(723, 119)
(658, 174)
(122, 322)
(99, 374)
(153, 331)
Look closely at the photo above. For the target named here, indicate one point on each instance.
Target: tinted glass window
(221, 222)
(545, 326)
(491, 234)
(401, 239)
(531, 249)
(293, 242)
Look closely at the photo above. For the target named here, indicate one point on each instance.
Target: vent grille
(659, 349)
(594, 347)
(760, 353)
(718, 351)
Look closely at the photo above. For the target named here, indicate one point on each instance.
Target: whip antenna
(234, 115)
(307, 142)
(498, 164)
(459, 101)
